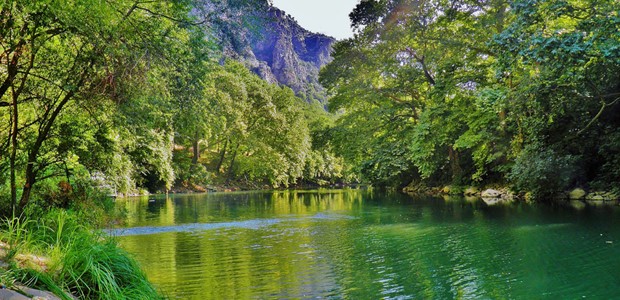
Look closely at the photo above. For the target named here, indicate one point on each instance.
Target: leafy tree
(57, 56)
(561, 60)
(479, 92)
(406, 84)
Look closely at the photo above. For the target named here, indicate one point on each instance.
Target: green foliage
(188, 173)
(16, 235)
(83, 262)
(542, 172)
(68, 68)
(467, 93)
(261, 127)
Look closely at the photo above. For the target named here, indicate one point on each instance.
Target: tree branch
(598, 115)
(167, 17)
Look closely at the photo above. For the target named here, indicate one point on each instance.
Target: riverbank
(185, 188)
(497, 194)
(58, 256)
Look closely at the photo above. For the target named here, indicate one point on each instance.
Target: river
(357, 244)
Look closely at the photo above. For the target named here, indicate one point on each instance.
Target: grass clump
(81, 262)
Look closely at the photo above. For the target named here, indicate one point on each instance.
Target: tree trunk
(12, 70)
(455, 165)
(31, 172)
(14, 120)
(196, 149)
(222, 155)
(232, 165)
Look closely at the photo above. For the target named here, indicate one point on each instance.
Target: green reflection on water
(360, 245)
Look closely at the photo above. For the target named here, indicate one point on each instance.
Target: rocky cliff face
(269, 42)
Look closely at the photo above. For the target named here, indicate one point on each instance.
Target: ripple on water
(429, 250)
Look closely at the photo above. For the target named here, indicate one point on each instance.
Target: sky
(329, 17)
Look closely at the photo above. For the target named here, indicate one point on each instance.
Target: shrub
(542, 172)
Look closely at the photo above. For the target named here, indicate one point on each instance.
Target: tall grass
(16, 235)
(83, 262)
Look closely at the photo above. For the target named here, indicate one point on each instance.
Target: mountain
(269, 42)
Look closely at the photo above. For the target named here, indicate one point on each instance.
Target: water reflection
(361, 245)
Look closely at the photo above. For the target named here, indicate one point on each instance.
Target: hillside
(269, 42)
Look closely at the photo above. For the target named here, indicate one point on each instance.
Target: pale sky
(330, 17)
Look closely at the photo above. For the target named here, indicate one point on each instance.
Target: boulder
(596, 198)
(601, 196)
(446, 189)
(491, 193)
(11, 295)
(37, 294)
(611, 196)
(577, 194)
(471, 191)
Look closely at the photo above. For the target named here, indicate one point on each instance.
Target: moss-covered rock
(446, 190)
(471, 191)
(601, 196)
(577, 194)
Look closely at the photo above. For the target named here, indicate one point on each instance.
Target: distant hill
(269, 42)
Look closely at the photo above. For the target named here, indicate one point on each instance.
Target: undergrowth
(82, 262)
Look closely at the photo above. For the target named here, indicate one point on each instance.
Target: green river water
(355, 244)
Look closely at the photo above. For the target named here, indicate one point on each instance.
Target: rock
(275, 47)
(471, 191)
(596, 198)
(491, 193)
(11, 295)
(508, 195)
(611, 196)
(37, 294)
(577, 194)
(601, 196)
(446, 189)
(32, 262)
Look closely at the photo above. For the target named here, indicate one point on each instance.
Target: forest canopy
(125, 96)
(130, 96)
(465, 92)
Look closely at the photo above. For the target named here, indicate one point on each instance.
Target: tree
(261, 129)
(561, 59)
(57, 56)
(406, 84)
